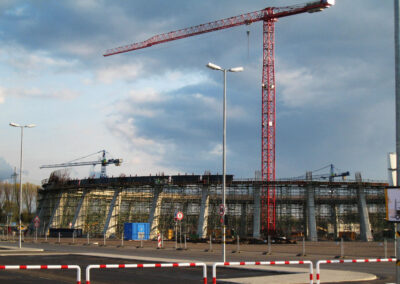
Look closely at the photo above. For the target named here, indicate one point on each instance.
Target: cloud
(33, 62)
(2, 95)
(5, 169)
(63, 94)
(110, 74)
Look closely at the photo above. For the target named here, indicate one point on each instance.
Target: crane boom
(103, 161)
(269, 16)
(244, 19)
(89, 163)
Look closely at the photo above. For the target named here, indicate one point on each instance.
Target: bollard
(122, 240)
(184, 235)
(385, 247)
(269, 245)
(180, 234)
(45, 236)
(269, 252)
(162, 240)
(176, 238)
(104, 239)
(73, 237)
(158, 240)
(87, 237)
(341, 248)
(237, 244)
(141, 243)
(59, 240)
(210, 249)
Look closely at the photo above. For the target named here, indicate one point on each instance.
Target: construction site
(316, 209)
(253, 208)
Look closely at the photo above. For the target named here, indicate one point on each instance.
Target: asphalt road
(384, 271)
(103, 276)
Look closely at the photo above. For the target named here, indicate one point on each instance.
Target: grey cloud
(5, 169)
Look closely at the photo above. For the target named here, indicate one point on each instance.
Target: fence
(62, 267)
(349, 261)
(150, 265)
(214, 268)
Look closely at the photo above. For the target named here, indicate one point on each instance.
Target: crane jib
(244, 19)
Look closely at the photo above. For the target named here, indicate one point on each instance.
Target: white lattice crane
(103, 161)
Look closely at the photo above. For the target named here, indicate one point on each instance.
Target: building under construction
(315, 209)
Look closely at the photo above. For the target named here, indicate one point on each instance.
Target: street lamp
(20, 177)
(235, 69)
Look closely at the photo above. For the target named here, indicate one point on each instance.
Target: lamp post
(20, 177)
(235, 69)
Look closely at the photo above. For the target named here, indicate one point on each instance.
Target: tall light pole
(20, 177)
(235, 69)
(397, 111)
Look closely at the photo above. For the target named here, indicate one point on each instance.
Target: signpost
(222, 213)
(178, 217)
(37, 223)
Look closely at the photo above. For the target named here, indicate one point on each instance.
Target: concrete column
(311, 221)
(82, 212)
(54, 212)
(256, 212)
(334, 221)
(112, 213)
(203, 218)
(243, 221)
(365, 226)
(155, 212)
(78, 208)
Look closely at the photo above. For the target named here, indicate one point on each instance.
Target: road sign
(222, 210)
(392, 196)
(36, 220)
(179, 216)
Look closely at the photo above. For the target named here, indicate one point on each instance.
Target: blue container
(136, 231)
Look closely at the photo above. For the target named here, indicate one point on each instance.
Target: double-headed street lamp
(235, 69)
(20, 177)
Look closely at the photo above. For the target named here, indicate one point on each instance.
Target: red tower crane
(269, 16)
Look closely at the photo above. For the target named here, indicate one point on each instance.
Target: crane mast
(269, 16)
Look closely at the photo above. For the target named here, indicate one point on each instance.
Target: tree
(29, 195)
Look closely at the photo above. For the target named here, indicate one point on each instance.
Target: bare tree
(29, 192)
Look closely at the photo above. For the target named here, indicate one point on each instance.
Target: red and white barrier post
(147, 265)
(348, 261)
(159, 245)
(61, 267)
(294, 262)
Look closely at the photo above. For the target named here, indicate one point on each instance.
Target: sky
(160, 109)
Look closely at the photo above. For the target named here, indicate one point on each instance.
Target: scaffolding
(102, 206)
